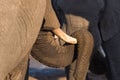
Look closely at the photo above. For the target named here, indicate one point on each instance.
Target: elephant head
(49, 52)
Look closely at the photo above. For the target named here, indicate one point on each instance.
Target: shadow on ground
(46, 74)
(38, 71)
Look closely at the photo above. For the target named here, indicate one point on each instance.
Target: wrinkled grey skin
(20, 22)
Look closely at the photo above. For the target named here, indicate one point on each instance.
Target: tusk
(64, 36)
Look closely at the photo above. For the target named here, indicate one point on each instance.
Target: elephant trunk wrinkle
(84, 50)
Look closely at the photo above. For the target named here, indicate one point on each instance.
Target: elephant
(49, 52)
(20, 22)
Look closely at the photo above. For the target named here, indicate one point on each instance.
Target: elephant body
(20, 22)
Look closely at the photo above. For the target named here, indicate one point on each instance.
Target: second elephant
(49, 52)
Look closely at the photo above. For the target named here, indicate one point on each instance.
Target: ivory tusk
(64, 36)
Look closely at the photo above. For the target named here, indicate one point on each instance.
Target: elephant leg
(19, 72)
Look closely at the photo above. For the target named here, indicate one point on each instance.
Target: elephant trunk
(84, 49)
